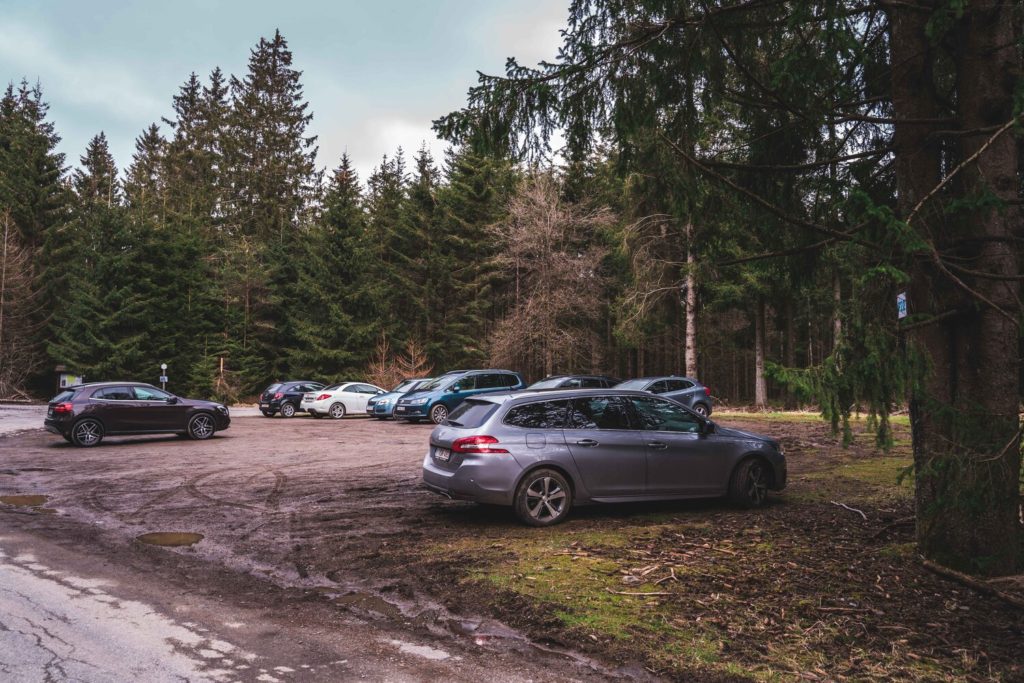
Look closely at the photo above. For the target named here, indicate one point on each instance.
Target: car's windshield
(437, 383)
(633, 384)
(547, 383)
(405, 385)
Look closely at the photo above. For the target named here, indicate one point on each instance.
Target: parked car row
(422, 398)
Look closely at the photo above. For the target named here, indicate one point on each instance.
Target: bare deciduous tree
(548, 247)
(387, 369)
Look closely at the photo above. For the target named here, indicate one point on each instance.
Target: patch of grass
(880, 471)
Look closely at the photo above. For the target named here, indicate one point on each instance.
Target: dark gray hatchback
(543, 452)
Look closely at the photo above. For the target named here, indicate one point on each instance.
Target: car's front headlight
(223, 409)
(417, 401)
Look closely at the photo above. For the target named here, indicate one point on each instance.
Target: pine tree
(270, 161)
(144, 184)
(96, 181)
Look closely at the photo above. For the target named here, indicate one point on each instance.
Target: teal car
(382, 407)
(436, 399)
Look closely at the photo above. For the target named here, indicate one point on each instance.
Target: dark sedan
(83, 415)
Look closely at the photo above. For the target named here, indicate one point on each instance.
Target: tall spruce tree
(270, 160)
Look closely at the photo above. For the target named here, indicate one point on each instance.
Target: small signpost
(163, 376)
(901, 305)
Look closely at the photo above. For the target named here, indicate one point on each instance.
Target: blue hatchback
(436, 399)
(383, 406)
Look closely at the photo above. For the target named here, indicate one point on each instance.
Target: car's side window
(598, 412)
(573, 383)
(148, 394)
(467, 383)
(678, 384)
(351, 389)
(662, 416)
(592, 383)
(491, 380)
(115, 394)
(366, 389)
(539, 415)
(508, 380)
(659, 387)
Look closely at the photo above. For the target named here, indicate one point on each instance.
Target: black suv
(573, 382)
(83, 415)
(286, 397)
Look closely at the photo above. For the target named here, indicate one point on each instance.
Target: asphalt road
(291, 579)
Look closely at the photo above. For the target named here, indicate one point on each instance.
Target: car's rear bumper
(494, 485)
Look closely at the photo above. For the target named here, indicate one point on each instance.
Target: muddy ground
(331, 515)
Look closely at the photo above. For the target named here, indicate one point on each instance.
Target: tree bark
(964, 416)
(760, 385)
(691, 305)
(837, 305)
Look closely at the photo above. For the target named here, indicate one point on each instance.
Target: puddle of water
(47, 511)
(23, 501)
(37, 469)
(424, 651)
(169, 538)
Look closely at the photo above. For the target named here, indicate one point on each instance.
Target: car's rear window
(272, 387)
(63, 396)
(472, 413)
(633, 384)
(547, 383)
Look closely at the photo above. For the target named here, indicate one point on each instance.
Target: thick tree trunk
(691, 305)
(760, 385)
(964, 417)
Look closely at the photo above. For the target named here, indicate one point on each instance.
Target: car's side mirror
(455, 387)
(172, 399)
(707, 427)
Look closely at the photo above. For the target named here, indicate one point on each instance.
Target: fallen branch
(636, 593)
(844, 505)
(971, 582)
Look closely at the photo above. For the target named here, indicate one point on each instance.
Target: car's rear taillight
(278, 395)
(323, 397)
(62, 408)
(476, 444)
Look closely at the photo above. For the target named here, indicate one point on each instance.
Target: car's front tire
(336, 411)
(543, 498)
(201, 426)
(439, 413)
(287, 410)
(87, 433)
(748, 487)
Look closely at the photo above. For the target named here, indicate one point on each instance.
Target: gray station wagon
(543, 452)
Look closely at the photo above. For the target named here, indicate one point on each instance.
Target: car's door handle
(657, 445)
(586, 442)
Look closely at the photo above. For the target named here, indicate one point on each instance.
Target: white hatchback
(339, 400)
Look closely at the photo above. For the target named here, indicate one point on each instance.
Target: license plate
(400, 409)
(49, 412)
(442, 454)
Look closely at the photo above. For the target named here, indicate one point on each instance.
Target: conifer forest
(733, 191)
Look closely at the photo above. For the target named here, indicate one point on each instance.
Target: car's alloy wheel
(287, 410)
(86, 433)
(337, 410)
(201, 426)
(749, 485)
(439, 413)
(543, 498)
(701, 409)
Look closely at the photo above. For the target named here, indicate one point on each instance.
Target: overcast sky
(375, 73)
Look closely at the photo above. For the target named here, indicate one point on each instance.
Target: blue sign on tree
(901, 305)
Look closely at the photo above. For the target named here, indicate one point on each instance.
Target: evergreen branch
(962, 165)
(775, 254)
(764, 203)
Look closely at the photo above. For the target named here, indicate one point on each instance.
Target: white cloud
(75, 80)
